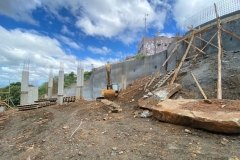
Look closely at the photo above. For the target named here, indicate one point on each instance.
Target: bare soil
(47, 133)
(224, 105)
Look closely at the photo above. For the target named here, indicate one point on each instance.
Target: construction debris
(159, 94)
(164, 79)
(166, 92)
(38, 104)
(69, 99)
(145, 114)
(113, 107)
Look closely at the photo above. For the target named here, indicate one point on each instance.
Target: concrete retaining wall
(125, 72)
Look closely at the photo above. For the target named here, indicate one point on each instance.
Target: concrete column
(60, 86)
(24, 88)
(80, 83)
(35, 94)
(50, 86)
(123, 82)
(30, 95)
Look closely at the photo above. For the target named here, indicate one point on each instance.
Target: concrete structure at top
(60, 84)
(24, 87)
(80, 81)
(50, 84)
(150, 46)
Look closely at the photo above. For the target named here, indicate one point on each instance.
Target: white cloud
(119, 19)
(183, 10)
(68, 41)
(19, 10)
(169, 35)
(104, 50)
(42, 52)
(65, 30)
(110, 19)
(10, 70)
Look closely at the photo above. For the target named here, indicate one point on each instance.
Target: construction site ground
(86, 129)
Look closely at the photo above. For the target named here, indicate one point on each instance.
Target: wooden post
(219, 84)
(180, 65)
(209, 41)
(158, 73)
(230, 33)
(200, 38)
(200, 88)
(195, 47)
(194, 43)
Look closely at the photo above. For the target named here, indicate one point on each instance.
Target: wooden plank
(230, 33)
(183, 58)
(208, 41)
(158, 73)
(195, 47)
(200, 39)
(219, 84)
(200, 88)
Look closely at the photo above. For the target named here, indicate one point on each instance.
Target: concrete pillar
(35, 94)
(50, 86)
(24, 88)
(60, 86)
(80, 83)
(124, 82)
(30, 95)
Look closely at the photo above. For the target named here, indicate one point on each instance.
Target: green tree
(42, 90)
(70, 79)
(15, 91)
(87, 75)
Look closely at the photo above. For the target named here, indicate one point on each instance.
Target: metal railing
(224, 7)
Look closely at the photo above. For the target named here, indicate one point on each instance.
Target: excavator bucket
(109, 94)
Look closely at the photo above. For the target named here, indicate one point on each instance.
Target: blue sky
(47, 32)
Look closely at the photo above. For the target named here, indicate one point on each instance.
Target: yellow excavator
(112, 90)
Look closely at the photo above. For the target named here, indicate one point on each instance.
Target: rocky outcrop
(173, 111)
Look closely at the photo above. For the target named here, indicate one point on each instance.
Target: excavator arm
(109, 92)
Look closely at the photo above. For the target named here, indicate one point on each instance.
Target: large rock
(113, 107)
(166, 92)
(160, 94)
(197, 114)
